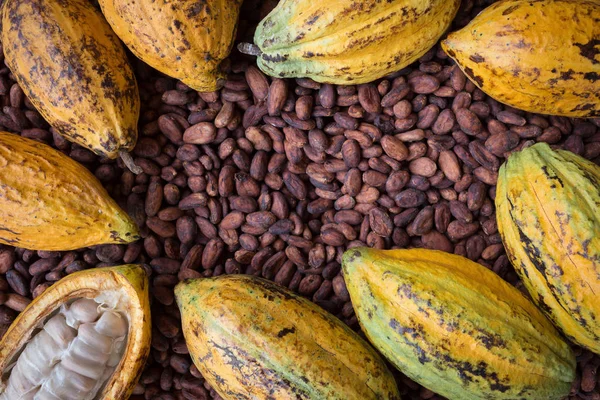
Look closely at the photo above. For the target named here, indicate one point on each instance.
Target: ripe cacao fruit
(548, 212)
(348, 42)
(455, 327)
(252, 339)
(186, 40)
(50, 202)
(541, 56)
(74, 70)
(85, 337)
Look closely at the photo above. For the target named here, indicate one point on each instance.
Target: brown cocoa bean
(501, 143)
(295, 185)
(511, 118)
(483, 156)
(278, 92)
(257, 82)
(410, 198)
(165, 265)
(468, 121)
(380, 221)
(173, 126)
(394, 148)
(333, 237)
(442, 217)
(423, 166)
(201, 133)
(17, 282)
(423, 222)
(212, 252)
(424, 84)
(395, 95)
(369, 98)
(435, 240)
(7, 259)
(458, 230)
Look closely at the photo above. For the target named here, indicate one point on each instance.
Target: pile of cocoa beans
(277, 178)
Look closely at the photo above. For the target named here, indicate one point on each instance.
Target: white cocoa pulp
(72, 355)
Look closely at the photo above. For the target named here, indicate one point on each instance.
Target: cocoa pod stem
(249, 48)
(129, 163)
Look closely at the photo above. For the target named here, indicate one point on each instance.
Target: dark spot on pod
(567, 75)
(313, 19)
(196, 8)
(286, 331)
(11, 231)
(354, 256)
(510, 10)
(409, 335)
(587, 107)
(590, 50)
(477, 58)
(273, 288)
(471, 74)
(552, 176)
(521, 44)
(277, 58)
(591, 76)
(451, 53)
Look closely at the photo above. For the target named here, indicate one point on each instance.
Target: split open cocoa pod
(85, 337)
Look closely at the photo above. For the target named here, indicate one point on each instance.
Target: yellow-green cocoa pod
(252, 339)
(455, 327)
(548, 211)
(348, 42)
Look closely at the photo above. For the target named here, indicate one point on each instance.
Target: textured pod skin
(186, 40)
(541, 56)
(349, 42)
(455, 327)
(548, 207)
(252, 339)
(74, 70)
(129, 281)
(50, 202)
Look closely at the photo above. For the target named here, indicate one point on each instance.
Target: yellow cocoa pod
(548, 212)
(348, 42)
(252, 339)
(455, 327)
(186, 39)
(85, 337)
(541, 56)
(50, 202)
(74, 70)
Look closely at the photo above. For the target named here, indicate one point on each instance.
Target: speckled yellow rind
(74, 70)
(349, 42)
(541, 56)
(252, 339)
(548, 211)
(50, 202)
(185, 39)
(455, 327)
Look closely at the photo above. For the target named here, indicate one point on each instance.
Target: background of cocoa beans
(277, 178)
